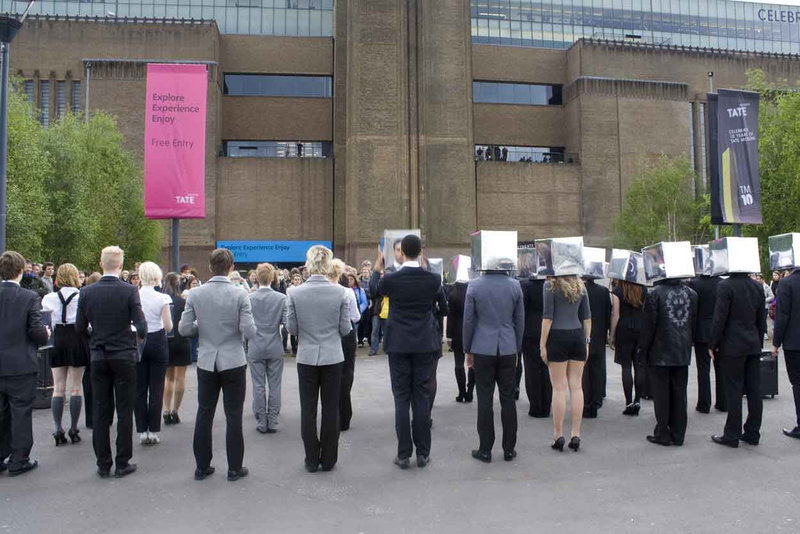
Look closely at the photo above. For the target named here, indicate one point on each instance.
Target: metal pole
(711, 90)
(737, 230)
(88, 78)
(175, 262)
(3, 145)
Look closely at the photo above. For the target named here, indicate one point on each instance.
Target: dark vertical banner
(733, 152)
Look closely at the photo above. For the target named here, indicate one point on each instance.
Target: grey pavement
(616, 483)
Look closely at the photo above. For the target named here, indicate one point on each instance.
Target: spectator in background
(93, 278)
(252, 281)
(47, 275)
(349, 341)
(133, 279)
(37, 269)
(125, 275)
(30, 280)
(81, 278)
(776, 278)
(365, 324)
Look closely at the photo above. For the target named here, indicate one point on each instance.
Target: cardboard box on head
(701, 256)
(527, 260)
(436, 265)
(459, 269)
(784, 251)
(494, 250)
(668, 261)
(560, 256)
(734, 255)
(627, 266)
(390, 244)
(594, 263)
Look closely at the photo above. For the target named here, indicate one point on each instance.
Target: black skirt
(180, 354)
(71, 349)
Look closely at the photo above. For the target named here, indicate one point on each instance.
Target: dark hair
(49, 264)
(11, 265)
(411, 246)
(172, 284)
(221, 262)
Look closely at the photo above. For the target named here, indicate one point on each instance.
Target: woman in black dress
(180, 355)
(627, 300)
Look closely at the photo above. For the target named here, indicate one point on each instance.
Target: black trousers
(500, 370)
(113, 385)
(16, 424)
(320, 383)
(365, 327)
(465, 379)
(668, 387)
(88, 401)
(349, 346)
(434, 384)
(150, 372)
(743, 375)
(518, 367)
(793, 370)
(634, 369)
(704, 379)
(537, 379)
(594, 379)
(411, 375)
(233, 384)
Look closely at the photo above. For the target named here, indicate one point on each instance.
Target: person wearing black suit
(787, 333)
(455, 324)
(706, 289)
(111, 306)
(412, 339)
(737, 337)
(440, 310)
(537, 376)
(594, 374)
(21, 332)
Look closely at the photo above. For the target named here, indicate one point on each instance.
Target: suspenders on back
(64, 304)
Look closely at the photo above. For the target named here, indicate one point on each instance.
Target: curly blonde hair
(571, 287)
(319, 260)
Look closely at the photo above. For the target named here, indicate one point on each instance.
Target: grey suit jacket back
(318, 313)
(220, 314)
(494, 316)
(269, 313)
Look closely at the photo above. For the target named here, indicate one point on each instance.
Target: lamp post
(9, 27)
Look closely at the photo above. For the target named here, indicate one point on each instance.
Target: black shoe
(728, 442)
(719, 408)
(60, 438)
(312, 468)
(423, 461)
(175, 419)
(468, 396)
(167, 418)
(575, 443)
(30, 466)
(461, 398)
(120, 472)
(3, 466)
(233, 476)
(402, 463)
(509, 455)
(653, 439)
(703, 409)
(327, 468)
(74, 436)
(344, 428)
(589, 412)
(632, 409)
(485, 457)
(104, 472)
(750, 440)
(558, 445)
(677, 443)
(794, 433)
(541, 415)
(201, 474)
(271, 431)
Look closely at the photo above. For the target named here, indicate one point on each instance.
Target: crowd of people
(123, 340)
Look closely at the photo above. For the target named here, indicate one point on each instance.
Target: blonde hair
(337, 268)
(111, 258)
(150, 274)
(319, 260)
(570, 286)
(67, 276)
(265, 273)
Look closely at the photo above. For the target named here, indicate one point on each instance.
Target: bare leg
(575, 380)
(558, 378)
(180, 381)
(169, 386)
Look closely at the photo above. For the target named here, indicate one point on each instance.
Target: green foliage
(75, 189)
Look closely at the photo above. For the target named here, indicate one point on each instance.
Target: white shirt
(152, 304)
(52, 303)
(410, 264)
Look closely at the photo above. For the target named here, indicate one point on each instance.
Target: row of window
(530, 154)
(278, 85)
(39, 97)
(278, 149)
(516, 93)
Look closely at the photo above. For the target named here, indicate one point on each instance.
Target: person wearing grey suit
(494, 324)
(265, 352)
(318, 313)
(220, 314)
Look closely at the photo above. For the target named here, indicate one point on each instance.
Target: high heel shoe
(175, 419)
(632, 409)
(558, 445)
(74, 436)
(60, 438)
(575, 443)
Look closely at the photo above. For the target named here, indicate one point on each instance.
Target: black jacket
(706, 289)
(787, 313)
(532, 295)
(21, 330)
(35, 284)
(739, 317)
(670, 312)
(600, 304)
(411, 326)
(455, 317)
(111, 306)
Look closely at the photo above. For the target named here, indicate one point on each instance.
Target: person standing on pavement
(465, 380)
(787, 334)
(349, 344)
(537, 376)
(706, 289)
(594, 373)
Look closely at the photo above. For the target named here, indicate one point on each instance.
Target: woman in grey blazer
(318, 313)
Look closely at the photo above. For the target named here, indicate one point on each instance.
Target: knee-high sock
(57, 405)
(75, 405)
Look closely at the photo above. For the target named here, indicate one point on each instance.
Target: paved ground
(616, 483)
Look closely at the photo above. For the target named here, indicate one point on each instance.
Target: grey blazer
(269, 313)
(494, 316)
(318, 313)
(220, 314)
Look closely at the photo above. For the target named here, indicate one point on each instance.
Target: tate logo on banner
(175, 141)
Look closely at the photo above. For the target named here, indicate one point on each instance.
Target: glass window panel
(278, 85)
(76, 97)
(44, 102)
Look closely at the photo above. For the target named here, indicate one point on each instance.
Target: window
(44, 102)
(278, 149)
(61, 99)
(525, 94)
(529, 154)
(27, 88)
(76, 97)
(278, 85)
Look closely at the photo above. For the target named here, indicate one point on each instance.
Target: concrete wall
(509, 124)
(516, 64)
(277, 55)
(277, 119)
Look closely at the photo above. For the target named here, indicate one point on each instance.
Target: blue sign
(271, 251)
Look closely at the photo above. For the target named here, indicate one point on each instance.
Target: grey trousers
(267, 373)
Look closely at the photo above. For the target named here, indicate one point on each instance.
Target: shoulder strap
(64, 304)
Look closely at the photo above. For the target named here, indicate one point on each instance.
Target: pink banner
(175, 142)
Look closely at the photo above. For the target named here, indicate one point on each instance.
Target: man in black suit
(594, 374)
(737, 337)
(787, 333)
(111, 306)
(537, 376)
(21, 332)
(706, 289)
(412, 340)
